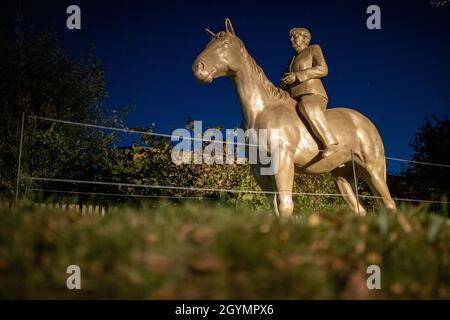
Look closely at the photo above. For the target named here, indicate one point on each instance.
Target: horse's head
(221, 57)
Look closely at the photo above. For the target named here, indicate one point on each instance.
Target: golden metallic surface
(265, 106)
(302, 80)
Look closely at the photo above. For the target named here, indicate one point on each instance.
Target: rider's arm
(319, 68)
(286, 70)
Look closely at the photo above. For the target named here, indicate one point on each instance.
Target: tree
(430, 144)
(38, 78)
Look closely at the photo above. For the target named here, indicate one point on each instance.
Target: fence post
(356, 182)
(20, 159)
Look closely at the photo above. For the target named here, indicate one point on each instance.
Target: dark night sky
(395, 76)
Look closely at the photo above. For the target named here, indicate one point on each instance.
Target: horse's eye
(226, 42)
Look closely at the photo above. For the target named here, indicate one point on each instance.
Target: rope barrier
(135, 185)
(156, 134)
(406, 199)
(124, 184)
(419, 162)
(197, 139)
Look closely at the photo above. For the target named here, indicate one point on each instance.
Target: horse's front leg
(266, 182)
(284, 180)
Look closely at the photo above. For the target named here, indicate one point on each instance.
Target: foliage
(194, 250)
(431, 143)
(152, 166)
(39, 79)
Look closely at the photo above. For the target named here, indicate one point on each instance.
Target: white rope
(405, 199)
(124, 184)
(217, 189)
(198, 139)
(196, 188)
(420, 162)
(164, 135)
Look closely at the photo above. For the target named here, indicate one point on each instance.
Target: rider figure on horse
(302, 80)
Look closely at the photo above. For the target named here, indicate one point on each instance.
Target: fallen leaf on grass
(157, 263)
(206, 264)
(373, 258)
(202, 235)
(314, 220)
(356, 286)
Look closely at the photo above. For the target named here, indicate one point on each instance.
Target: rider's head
(300, 38)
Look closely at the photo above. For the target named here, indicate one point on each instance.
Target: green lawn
(192, 250)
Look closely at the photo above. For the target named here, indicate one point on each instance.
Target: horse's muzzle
(201, 72)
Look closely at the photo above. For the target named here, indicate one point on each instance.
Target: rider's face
(298, 41)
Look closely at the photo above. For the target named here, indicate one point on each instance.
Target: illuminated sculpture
(265, 106)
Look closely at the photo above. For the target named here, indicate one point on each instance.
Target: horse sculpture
(265, 106)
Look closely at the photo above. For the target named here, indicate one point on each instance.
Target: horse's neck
(252, 94)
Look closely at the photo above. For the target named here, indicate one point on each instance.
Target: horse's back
(354, 131)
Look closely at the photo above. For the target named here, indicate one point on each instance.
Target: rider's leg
(312, 107)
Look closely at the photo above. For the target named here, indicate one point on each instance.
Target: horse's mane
(271, 88)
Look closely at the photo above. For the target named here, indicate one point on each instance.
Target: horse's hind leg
(376, 179)
(345, 183)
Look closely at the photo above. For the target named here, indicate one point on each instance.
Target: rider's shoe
(329, 150)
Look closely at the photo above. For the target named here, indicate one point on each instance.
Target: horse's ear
(229, 26)
(211, 34)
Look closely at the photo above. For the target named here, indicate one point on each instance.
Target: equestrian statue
(311, 138)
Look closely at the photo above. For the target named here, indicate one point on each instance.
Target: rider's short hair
(302, 31)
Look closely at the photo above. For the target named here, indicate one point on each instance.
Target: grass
(205, 251)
